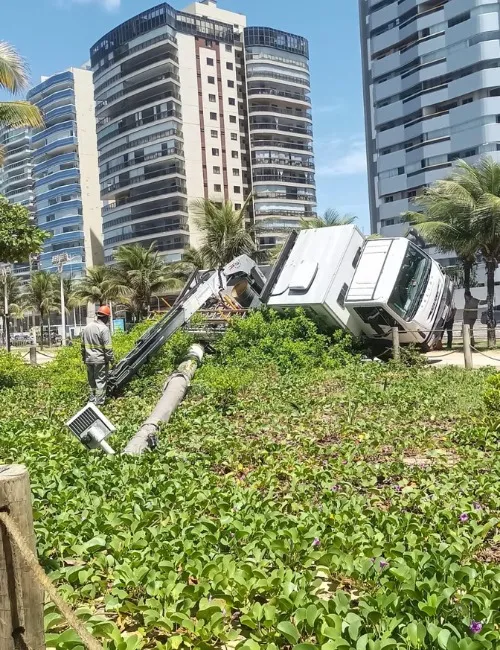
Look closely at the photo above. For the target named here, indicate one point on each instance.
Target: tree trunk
(48, 327)
(41, 329)
(490, 285)
(467, 266)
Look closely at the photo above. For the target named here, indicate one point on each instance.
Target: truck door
(378, 319)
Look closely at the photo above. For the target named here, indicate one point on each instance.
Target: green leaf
(289, 631)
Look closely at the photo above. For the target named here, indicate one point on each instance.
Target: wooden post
(467, 347)
(396, 348)
(33, 355)
(21, 597)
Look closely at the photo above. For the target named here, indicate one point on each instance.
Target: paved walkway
(456, 358)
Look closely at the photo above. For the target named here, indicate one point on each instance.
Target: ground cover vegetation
(300, 498)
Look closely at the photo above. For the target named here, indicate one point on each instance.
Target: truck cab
(397, 284)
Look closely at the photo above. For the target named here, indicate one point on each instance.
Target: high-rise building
(192, 104)
(65, 171)
(16, 178)
(432, 96)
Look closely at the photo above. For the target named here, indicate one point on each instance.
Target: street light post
(6, 269)
(60, 261)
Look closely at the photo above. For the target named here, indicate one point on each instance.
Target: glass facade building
(181, 115)
(65, 186)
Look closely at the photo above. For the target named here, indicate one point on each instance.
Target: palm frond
(13, 69)
(17, 114)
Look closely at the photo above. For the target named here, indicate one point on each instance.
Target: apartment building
(65, 173)
(16, 179)
(175, 123)
(431, 72)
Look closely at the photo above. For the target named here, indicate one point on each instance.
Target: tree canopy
(19, 237)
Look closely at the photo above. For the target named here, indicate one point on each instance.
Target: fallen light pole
(173, 393)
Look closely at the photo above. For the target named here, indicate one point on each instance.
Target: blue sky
(56, 34)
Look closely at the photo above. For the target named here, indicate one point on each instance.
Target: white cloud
(108, 5)
(346, 157)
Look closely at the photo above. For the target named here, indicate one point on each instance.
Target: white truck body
(318, 273)
(365, 286)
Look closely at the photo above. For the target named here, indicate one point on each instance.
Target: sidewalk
(456, 358)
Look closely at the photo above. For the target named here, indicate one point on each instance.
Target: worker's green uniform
(97, 354)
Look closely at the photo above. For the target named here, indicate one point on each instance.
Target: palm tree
(13, 79)
(447, 220)
(223, 231)
(139, 275)
(329, 218)
(41, 295)
(94, 287)
(462, 213)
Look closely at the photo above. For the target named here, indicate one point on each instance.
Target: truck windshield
(411, 283)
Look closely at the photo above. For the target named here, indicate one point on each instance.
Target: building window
(232, 101)
(237, 206)
(216, 170)
(229, 66)
(236, 172)
(232, 119)
(234, 136)
(211, 80)
(230, 83)
(213, 116)
(237, 189)
(214, 134)
(461, 18)
(388, 199)
(229, 48)
(210, 61)
(235, 154)
(215, 152)
(212, 98)
(217, 188)
(50, 217)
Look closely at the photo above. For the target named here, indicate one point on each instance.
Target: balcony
(284, 128)
(54, 162)
(62, 113)
(58, 176)
(45, 133)
(263, 74)
(148, 176)
(63, 145)
(282, 162)
(296, 214)
(147, 229)
(290, 180)
(266, 108)
(144, 214)
(285, 94)
(281, 144)
(132, 144)
(122, 54)
(173, 151)
(145, 196)
(147, 84)
(60, 98)
(286, 196)
(127, 124)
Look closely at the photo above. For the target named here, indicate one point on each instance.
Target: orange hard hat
(104, 310)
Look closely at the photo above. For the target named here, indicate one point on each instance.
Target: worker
(97, 354)
(449, 326)
(470, 313)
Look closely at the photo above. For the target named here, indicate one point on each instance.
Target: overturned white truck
(365, 286)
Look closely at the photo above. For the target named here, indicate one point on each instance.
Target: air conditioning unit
(92, 428)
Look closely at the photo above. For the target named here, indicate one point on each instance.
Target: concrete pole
(467, 347)
(6, 312)
(33, 355)
(63, 310)
(396, 347)
(174, 392)
(21, 597)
